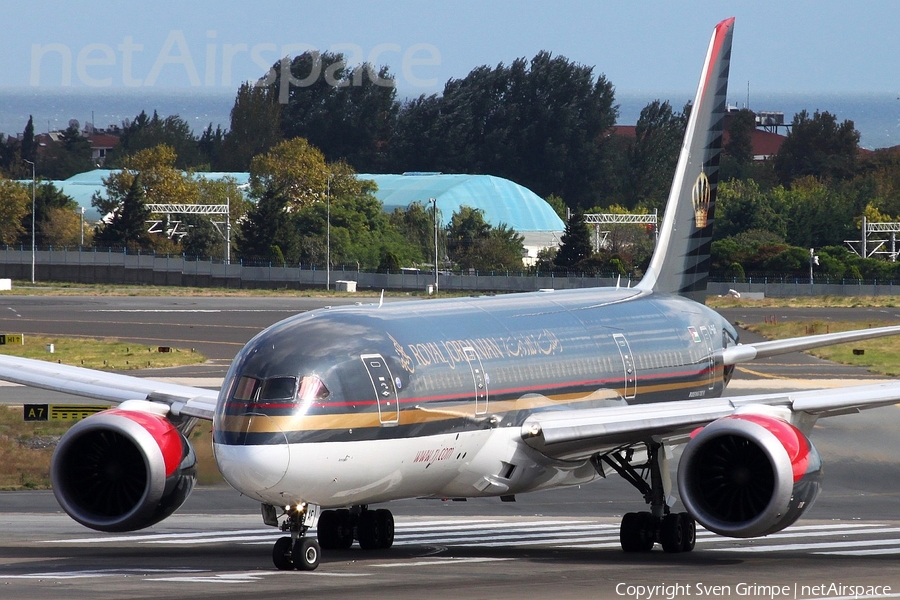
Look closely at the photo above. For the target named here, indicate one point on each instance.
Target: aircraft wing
(111, 387)
(578, 434)
(747, 352)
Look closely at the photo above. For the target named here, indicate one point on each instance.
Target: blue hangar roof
(82, 187)
(501, 200)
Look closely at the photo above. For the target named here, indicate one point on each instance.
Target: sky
(804, 46)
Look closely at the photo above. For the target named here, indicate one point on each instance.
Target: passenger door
(384, 388)
(627, 365)
(479, 380)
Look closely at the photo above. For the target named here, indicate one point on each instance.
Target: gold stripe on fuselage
(420, 414)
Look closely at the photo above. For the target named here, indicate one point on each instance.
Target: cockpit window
(274, 389)
(278, 388)
(312, 388)
(246, 388)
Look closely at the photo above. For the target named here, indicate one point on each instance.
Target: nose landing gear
(297, 551)
(337, 530)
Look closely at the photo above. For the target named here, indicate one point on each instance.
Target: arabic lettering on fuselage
(452, 352)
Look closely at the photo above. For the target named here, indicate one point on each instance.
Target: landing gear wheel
(344, 529)
(327, 530)
(689, 527)
(306, 553)
(369, 532)
(385, 522)
(671, 533)
(636, 532)
(335, 529)
(282, 555)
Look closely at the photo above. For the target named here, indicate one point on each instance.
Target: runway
(561, 544)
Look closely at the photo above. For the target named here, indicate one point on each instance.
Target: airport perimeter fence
(119, 267)
(89, 265)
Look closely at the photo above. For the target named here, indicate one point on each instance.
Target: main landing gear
(639, 531)
(374, 529)
(337, 530)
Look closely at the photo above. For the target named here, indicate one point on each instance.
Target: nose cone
(254, 468)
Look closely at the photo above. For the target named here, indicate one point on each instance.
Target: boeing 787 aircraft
(329, 414)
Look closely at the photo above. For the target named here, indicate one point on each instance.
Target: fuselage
(365, 404)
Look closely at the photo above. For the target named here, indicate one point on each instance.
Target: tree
(202, 238)
(536, 122)
(255, 127)
(161, 180)
(266, 233)
(738, 152)
(741, 206)
(54, 215)
(575, 244)
(144, 133)
(153, 170)
(558, 205)
(415, 224)
(128, 225)
(61, 227)
(211, 148)
(28, 147)
(818, 146)
(292, 184)
(67, 157)
(658, 136)
(630, 244)
(473, 244)
(294, 170)
(348, 113)
(818, 215)
(416, 144)
(15, 203)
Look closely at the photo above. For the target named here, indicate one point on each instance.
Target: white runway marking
(843, 538)
(440, 561)
(191, 310)
(95, 573)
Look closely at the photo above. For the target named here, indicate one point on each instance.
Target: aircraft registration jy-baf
(331, 412)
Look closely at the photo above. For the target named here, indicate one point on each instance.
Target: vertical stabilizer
(680, 264)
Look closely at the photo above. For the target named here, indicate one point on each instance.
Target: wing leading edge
(111, 387)
(579, 434)
(747, 352)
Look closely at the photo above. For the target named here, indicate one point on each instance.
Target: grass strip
(880, 355)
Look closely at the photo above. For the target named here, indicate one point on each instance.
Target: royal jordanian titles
(327, 416)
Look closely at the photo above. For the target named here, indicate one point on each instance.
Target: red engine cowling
(748, 475)
(122, 470)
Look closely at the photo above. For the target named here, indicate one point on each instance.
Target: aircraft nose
(257, 467)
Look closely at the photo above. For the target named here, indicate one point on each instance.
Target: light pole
(328, 233)
(82, 225)
(32, 218)
(434, 212)
(227, 229)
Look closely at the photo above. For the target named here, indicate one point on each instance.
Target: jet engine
(748, 475)
(122, 470)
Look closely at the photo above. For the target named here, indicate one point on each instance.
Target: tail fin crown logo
(700, 195)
